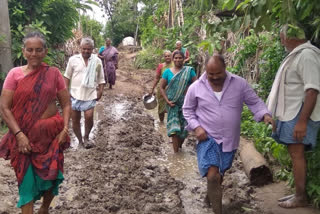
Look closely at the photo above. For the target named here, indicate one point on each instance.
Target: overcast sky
(98, 14)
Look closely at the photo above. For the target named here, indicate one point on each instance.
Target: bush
(148, 58)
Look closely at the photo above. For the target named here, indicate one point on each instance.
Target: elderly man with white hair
(185, 51)
(294, 101)
(83, 74)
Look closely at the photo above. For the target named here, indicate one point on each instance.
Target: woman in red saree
(37, 135)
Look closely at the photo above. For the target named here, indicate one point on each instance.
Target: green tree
(123, 18)
(93, 29)
(261, 14)
(60, 16)
(54, 18)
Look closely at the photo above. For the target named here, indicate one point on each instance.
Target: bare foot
(87, 144)
(294, 202)
(285, 198)
(43, 211)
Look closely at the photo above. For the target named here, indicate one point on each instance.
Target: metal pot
(149, 101)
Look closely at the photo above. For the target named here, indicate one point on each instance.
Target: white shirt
(218, 95)
(302, 74)
(75, 71)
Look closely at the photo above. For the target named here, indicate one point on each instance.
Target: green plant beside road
(148, 58)
(270, 56)
(260, 134)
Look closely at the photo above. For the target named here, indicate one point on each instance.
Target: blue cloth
(79, 105)
(168, 75)
(209, 153)
(102, 48)
(284, 132)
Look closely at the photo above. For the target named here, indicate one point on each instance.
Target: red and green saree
(42, 169)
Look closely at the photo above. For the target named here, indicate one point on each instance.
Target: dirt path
(132, 169)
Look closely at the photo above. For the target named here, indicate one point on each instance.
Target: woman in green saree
(161, 67)
(177, 80)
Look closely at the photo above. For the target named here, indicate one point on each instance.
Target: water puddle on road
(118, 109)
(183, 167)
(97, 117)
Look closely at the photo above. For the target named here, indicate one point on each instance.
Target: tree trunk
(5, 41)
(136, 35)
(202, 55)
(180, 11)
(255, 166)
(171, 13)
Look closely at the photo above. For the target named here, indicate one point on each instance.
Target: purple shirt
(221, 119)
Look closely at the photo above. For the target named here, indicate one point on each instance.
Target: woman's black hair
(178, 52)
(35, 34)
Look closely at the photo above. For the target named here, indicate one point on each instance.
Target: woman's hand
(23, 143)
(62, 136)
(170, 103)
(151, 92)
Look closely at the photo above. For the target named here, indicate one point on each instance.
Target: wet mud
(132, 168)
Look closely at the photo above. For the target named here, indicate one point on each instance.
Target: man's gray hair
(166, 51)
(87, 41)
(178, 42)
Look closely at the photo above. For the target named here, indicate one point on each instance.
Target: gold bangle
(65, 129)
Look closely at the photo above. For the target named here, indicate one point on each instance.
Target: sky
(98, 14)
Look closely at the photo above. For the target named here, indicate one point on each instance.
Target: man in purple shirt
(212, 108)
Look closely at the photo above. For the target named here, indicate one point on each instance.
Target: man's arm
(257, 106)
(67, 82)
(189, 112)
(101, 80)
(309, 71)
(310, 100)
(68, 74)
(100, 91)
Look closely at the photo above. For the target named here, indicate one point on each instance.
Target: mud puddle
(238, 195)
(131, 169)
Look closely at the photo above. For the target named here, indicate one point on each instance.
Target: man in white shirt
(83, 74)
(295, 101)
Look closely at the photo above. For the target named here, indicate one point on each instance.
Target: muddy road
(131, 169)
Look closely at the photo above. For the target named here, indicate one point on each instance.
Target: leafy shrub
(270, 61)
(148, 58)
